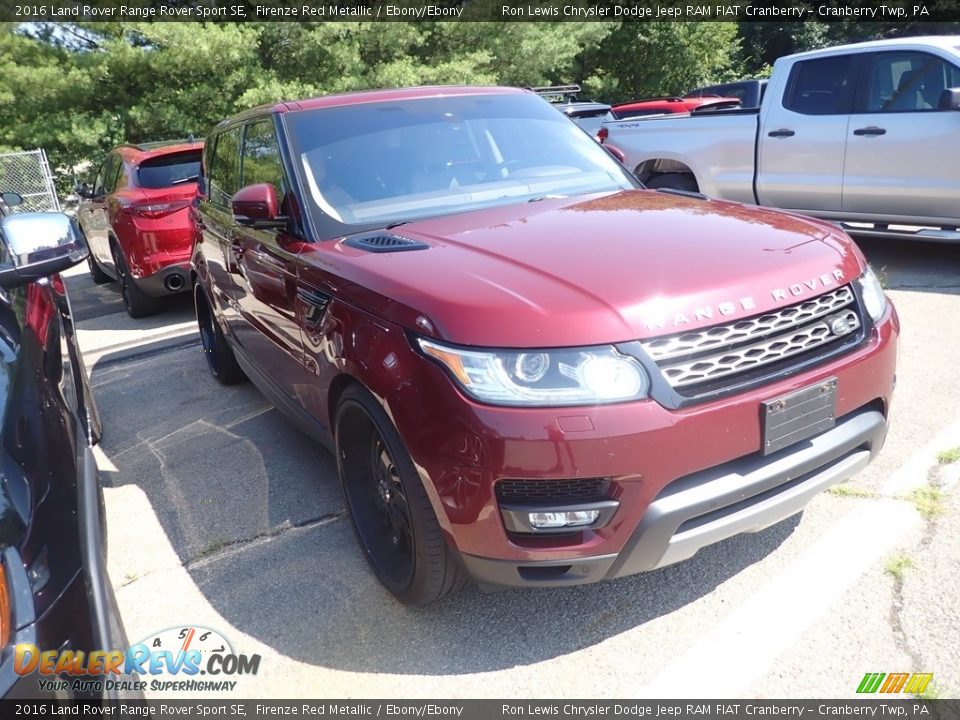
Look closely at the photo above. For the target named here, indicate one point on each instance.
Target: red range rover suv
(136, 219)
(531, 370)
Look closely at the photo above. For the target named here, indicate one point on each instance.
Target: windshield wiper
(186, 179)
(392, 225)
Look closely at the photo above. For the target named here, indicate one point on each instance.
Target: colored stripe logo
(913, 683)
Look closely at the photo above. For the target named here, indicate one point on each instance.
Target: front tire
(391, 514)
(220, 358)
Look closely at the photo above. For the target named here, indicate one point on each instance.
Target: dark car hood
(592, 270)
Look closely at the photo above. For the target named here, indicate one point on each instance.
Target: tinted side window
(822, 87)
(106, 175)
(261, 158)
(115, 174)
(908, 82)
(224, 178)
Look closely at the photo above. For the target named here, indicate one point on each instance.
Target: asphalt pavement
(222, 515)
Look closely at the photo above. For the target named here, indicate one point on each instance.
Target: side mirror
(949, 99)
(11, 199)
(38, 245)
(256, 206)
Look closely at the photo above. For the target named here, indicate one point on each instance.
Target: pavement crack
(896, 608)
(223, 549)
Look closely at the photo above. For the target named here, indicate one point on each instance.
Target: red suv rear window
(169, 170)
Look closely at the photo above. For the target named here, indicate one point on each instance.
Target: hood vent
(384, 243)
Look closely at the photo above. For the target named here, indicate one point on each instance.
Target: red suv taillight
(155, 210)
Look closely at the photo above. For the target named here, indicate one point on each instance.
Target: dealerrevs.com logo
(177, 659)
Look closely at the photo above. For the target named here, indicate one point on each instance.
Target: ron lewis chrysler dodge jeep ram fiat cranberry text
(532, 371)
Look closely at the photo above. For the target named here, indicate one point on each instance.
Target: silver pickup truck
(865, 135)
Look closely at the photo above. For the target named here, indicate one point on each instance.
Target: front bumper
(684, 478)
(745, 495)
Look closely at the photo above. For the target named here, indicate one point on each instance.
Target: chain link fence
(28, 173)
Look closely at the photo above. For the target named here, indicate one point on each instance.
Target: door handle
(782, 132)
(870, 131)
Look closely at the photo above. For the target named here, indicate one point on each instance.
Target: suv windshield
(397, 161)
(169, 170)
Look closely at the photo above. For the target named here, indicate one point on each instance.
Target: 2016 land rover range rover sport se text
(532, 371)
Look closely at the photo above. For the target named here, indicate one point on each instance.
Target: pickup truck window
(908, 82)
(396, 161)
(822, 87)
(224, 172)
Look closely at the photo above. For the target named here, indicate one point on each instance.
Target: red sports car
(135, 217)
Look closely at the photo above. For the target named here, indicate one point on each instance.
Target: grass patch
(931, 693)
(851, 491)
(897, 565)
(949, 456)
(928, 501)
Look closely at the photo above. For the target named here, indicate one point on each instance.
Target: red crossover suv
(671, 106)
(532, 371)
(135, 217)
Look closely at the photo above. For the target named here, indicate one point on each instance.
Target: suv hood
(592, 269)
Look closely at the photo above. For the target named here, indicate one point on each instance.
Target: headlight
(575, 376)
(873, 298)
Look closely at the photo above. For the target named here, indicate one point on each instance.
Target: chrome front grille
(721, 351)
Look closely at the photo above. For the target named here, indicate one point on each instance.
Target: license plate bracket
(799, 415)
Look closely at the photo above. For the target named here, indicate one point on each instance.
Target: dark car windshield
(169, 170)
(395, 161)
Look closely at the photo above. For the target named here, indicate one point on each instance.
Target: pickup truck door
(903, 153)
(803, 135)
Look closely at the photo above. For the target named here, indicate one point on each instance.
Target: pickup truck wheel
(220, 358)
(137, 302)
(389, 509)
(675, 181)
(96, 272)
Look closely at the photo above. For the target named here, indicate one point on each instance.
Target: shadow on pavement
(914, 266)
(252, 508)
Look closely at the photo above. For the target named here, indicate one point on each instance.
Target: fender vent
(383, 243)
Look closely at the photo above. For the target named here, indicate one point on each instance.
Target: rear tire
(96, 272)
(674, 181)
(135, 300)
(220, 358)
(391, 514)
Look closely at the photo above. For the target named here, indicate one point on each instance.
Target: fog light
(577, 518)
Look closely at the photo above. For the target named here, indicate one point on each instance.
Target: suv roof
(142, 151)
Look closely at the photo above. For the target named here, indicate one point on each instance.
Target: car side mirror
(11, 199)
(256, 206)
(39, 245)
(950, 99)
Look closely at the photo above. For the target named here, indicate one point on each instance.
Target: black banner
(482, 10)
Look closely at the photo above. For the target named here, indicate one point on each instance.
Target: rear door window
(224, 178)
(822, 87)
(170, 170)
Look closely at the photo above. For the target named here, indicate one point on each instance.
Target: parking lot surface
(222, 515)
